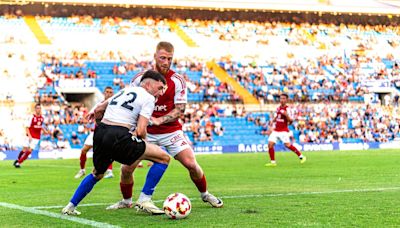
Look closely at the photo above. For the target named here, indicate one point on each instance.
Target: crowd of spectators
(321, 79)
(203, 120)
(344, 122)
(54, 66)
(57, 117)
(4, 141)
(296, 33)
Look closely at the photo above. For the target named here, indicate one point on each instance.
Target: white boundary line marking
(252, 196)
(56, 215)
(80, 205)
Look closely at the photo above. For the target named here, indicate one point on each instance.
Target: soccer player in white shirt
(129, 109)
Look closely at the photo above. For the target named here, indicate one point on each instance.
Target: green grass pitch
(332, 189)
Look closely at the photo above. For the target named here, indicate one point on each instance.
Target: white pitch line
(80, 205)
(60, 166)
(56, 215)
(251, 196)
(312, 193)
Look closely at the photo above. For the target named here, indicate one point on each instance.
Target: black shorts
(114, 143)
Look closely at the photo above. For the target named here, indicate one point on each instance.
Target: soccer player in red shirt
(33, 133)
(281, 131)
(108, 92)
(165, 131)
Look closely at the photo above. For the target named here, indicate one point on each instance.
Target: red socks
(294, 149)
(126, 190)
(20, 154)
(271, 152)
(201, 184)
(110, 166)
(24, 156)
(82, 160)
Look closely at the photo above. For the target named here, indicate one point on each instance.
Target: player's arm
(144, 117)
(180, 100)
(141, 127)
(171, 116)
(271, 123)
(97, 110)
(46, 130)
(28, 133)
(289, 120)
(27, 124)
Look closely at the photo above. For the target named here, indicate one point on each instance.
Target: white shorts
(89, 139)
(31, 144)
(174, 142)
(284, 136)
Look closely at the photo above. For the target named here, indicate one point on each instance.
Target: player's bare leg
(126, 187)
(297, 152)
(23, 157)
(82, 161)
(144, 202)
(21, 153)
(188, 160)
(161, 159)
(83, 189)
(271, 152)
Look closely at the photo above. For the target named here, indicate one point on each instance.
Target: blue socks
(83, 189)
(153, 177)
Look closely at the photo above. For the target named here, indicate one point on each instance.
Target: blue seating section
(105, 77)
(67, 130)
(236, 129)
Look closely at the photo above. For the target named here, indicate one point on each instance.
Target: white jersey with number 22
(126, 106)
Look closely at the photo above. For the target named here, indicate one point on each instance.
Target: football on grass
(177, 206)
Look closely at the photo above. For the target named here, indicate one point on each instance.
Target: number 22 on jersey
(124, 99)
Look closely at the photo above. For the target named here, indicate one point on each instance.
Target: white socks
(127, 201)
(203, 194)
(71, 206)
(143, 197)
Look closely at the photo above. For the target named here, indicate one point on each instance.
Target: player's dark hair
(166, 46)
(108, 87)
(285, 95)
(37, 104)
(154, 75)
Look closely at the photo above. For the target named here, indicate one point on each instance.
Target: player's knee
(96, 175)
(190, 164)
(165, 158)
(126, 171)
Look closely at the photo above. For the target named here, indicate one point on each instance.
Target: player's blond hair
(167, 46)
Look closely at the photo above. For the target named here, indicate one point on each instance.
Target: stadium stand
(330, 70)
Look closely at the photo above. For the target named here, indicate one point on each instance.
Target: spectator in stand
(265, 129)
(62, 143)
(75, 139)
(218, 129)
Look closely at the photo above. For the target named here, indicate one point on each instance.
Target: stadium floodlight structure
(320, 6)
(13, 2)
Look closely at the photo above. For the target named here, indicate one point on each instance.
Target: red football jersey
(35, 126)
(281, 123)
(176, 93)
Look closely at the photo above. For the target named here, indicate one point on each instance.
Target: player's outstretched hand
(90, 116)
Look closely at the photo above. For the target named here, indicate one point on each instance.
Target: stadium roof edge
(313, 6)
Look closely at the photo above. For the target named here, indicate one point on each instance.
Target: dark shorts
(114, 143)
